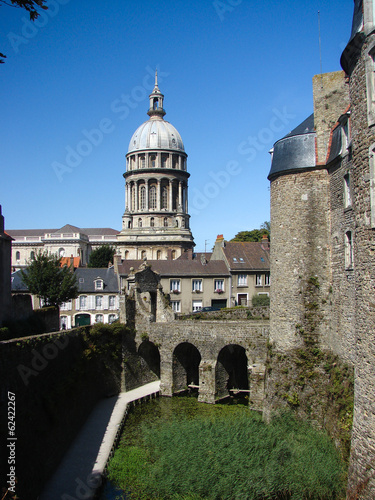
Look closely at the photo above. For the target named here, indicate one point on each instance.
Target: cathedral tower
(155, 224)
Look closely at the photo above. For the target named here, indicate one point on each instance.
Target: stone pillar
(146, 192)
(207, 381)
(179, 163)
(180, 193)
(166, 372)
(136, 196)
(158, 160)
(170, 195)
(158, 195)
(256, 376)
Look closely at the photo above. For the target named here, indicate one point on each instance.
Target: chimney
(265, 242)
(116, 262)
(217, 253)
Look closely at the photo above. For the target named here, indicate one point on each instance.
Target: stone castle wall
(362, 469)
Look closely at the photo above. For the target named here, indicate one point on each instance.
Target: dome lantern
(156, 101)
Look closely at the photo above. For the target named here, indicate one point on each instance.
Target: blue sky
(236, 75)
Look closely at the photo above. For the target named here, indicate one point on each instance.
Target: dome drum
(156, 160)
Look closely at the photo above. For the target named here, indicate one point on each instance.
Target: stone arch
(185, 366)
(151, 355)
(231, 371)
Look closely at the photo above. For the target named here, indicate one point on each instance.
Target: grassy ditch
(226, 452)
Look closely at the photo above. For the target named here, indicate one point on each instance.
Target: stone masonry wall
(342, 298)
(331, 98)
(299, 253)
(55, 382)
(362, 469)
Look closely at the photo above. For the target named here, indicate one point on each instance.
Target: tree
(52, 283)
(101, 256)
(30, 5)
(254, 234)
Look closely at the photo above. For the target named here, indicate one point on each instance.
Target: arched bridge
(217, 358)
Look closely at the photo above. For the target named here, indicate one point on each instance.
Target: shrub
(260, 300)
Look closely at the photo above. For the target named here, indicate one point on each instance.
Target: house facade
(249, 266)
(68, 241)
(98, 299)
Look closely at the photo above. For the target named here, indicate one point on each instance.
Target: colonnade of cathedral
(157, 193)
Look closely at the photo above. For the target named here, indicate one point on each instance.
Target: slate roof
(17, 284)
(180, 268)
(247, 256)
(295, 151)
(89, 275)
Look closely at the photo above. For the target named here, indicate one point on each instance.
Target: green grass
(229, 455)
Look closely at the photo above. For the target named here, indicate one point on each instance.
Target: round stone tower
(155, 224)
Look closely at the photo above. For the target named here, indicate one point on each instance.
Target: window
(99, 302)
(345, 134)
(133, 199)
(267, 279)
(32, 255)
(176, 306)
(173, 254)
(175, 286)
(112, 302)
(197, 305)
(83, 302)
(63, 322)
(61, 252)
(152, 222)
(347, 196)
(141, 161)
(99, 285)
(139, 222)
(219, 286)
(152, 162)
(242, 280)
(142, 198)
(197, 285)
(165, 221)
(152, 194)
(99, 318)
(174, 161)
(143, 254)
(81, 280)
(258, 280)
(66, 306)
(158, 255)
(18, 255)
(164, 159)
(126, 254)
(370, 86)
(348, 250)
(112, 318)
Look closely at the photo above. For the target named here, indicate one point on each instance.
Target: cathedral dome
(156, 133)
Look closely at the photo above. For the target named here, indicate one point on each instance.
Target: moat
(220, 451)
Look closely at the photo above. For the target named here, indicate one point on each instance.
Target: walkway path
(79, 473)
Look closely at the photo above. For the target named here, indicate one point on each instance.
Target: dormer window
(99, 285)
